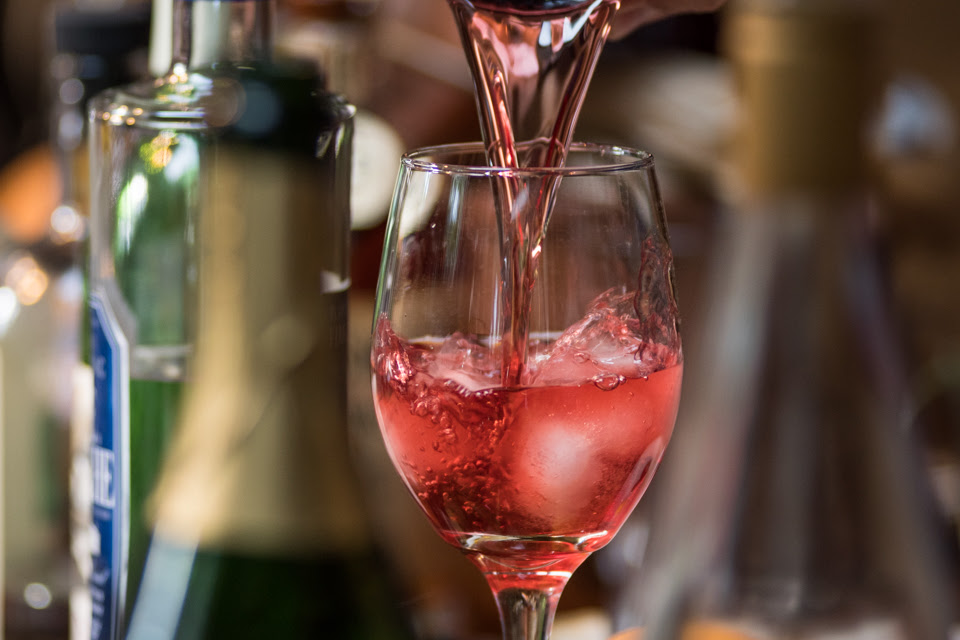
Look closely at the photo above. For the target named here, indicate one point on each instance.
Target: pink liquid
(531, 476)
(532, 62)
(531, 65)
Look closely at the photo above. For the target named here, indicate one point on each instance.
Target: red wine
(531, 62)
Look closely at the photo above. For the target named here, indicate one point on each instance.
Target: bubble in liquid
(608, 381)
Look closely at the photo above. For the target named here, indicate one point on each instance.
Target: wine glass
(526, 358)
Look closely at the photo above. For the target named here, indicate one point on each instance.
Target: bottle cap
(806, 74)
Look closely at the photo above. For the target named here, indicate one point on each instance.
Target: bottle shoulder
(297, 87)
(250, 99)
(164, 102)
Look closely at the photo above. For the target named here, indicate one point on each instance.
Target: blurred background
(668, 88)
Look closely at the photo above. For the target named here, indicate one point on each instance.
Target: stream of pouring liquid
(532, 61)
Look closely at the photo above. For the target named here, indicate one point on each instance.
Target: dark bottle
(260, 531)
(229, 134)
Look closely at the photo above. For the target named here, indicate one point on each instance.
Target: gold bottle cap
(807, 78)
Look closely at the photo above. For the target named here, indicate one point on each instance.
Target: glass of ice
(526, 358)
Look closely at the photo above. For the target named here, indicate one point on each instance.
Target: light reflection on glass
(130, 206)
(184, 161)
(117, 115)
(9, 309)
(158, 152)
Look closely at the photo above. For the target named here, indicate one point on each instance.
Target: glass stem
(527, 614)
(527, 600)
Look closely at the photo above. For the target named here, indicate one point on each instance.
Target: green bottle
(228, 150)
(144, 154)
(260, 531)
(259, 528)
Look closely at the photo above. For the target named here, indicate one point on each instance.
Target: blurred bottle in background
(96, 48)
(144, 149)
(795, 503)
(235, 163)
(917, 144)
(40, 298)
(43, 192)
(260, 529)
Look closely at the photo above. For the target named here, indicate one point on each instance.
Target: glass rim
(423, 160)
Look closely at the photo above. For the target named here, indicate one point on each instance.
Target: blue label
(108, 460)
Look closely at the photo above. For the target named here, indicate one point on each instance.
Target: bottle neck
(210, 31)
(808, 79)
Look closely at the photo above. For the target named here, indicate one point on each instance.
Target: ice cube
(467, 362)
(553, 468)
(604, 342)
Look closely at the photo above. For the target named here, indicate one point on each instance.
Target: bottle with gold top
(259, 527)
(794, 505)
(236, 165)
